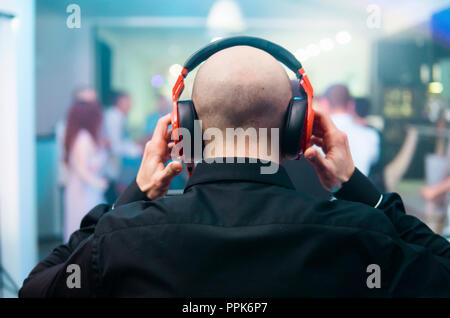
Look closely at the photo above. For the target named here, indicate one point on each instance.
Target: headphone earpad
(294, 126)
(187, 117)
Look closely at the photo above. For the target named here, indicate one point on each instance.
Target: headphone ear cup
(187, 117)
(308, 127)
(294, 126)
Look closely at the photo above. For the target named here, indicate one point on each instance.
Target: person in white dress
(85, 158)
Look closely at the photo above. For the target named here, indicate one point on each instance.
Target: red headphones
(299, 118)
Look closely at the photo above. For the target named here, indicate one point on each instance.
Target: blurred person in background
(83, 94)
(362, 110)
(437, 166)
(120, 145)
(364, 141)
(84, 157)
(437, 204)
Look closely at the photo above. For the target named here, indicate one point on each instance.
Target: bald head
(241, 87)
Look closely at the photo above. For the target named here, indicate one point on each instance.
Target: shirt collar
(246, 171)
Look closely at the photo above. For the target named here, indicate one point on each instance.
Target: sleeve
(411, 230)
(360, 189)
(54, 277)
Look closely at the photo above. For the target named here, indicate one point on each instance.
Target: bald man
(238, 232)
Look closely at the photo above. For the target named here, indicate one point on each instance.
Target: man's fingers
(314, 156)
(322, 124)
(318, 142)
(161, 127)
(157, 145)
(171, 171)
(169, 135)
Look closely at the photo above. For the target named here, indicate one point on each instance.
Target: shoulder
(84, 138)
(353, 216)
(336, 215)
(132, 216)
(298, 209)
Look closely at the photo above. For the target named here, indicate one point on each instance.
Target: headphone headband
(277, 51)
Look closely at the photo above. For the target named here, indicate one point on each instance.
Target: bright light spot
(226, 15)
(15, 22)
(301, 55)
(157, 80)
(435, 87)
(216, 38)
(313, 50)
(175, 70)
(343, 37)
(326, 44)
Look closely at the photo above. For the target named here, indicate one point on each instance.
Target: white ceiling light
(15, 23)
(343, 37)
(301, 55)
(175, 70)
(225, 15)
(216, 38)
(313, 50)
(326, 44)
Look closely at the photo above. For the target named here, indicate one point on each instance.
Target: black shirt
(237, 232)
(300, 171)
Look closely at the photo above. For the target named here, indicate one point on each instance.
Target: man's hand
(153, 177)
(337, 166)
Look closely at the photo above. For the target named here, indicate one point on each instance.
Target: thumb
(313, 155)
(171, 171)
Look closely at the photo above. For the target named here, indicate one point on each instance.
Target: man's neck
(249, 152)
